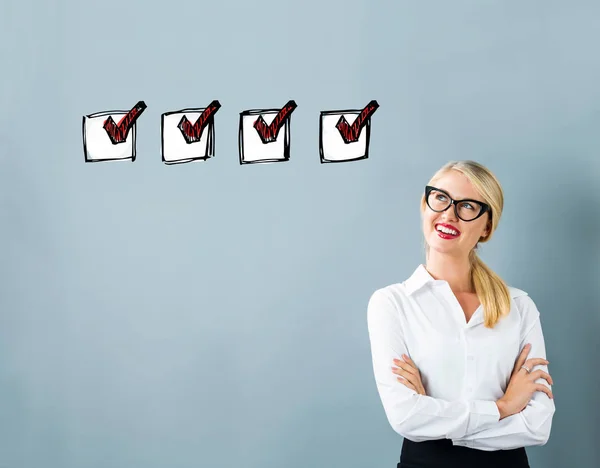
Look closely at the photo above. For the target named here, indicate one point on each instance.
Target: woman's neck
(457, 272)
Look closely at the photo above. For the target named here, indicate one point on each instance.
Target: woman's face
(458, 187)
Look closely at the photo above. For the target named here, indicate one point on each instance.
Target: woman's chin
(443, 245)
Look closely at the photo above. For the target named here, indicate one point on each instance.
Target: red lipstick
(444, 235)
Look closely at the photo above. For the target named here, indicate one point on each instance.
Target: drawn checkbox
(188, 134)
(110, 135)
(344, 135)
(264, 135)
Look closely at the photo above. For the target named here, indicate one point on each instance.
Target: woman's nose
(450, 214)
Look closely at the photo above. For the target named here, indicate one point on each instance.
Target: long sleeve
(416, 417)
(533, 424)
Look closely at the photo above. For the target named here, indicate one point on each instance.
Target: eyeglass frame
(484, 206)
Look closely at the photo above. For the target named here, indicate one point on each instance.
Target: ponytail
(491, 290)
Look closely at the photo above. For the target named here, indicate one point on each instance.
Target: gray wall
(213, 314)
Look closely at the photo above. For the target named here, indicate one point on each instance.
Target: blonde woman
(458, 356)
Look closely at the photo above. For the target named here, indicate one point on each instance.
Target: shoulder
(394, 293)
(525, 307)
(516, 292)
(387, 299)
(522, 299)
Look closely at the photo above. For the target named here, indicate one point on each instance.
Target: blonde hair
(492, 291)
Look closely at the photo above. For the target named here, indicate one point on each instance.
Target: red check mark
(118, 132)
(350, 133)
(268, 133)
(192, 132)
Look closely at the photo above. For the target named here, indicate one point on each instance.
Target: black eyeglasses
(468, 210)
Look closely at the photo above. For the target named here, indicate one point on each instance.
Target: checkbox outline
(209, 150)
(286, 136)
(132, 134)
(366, 128)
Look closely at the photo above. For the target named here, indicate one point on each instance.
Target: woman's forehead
(457, 186)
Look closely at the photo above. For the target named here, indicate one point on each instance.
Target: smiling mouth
(446, 232)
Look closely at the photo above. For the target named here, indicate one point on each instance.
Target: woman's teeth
(446, 230)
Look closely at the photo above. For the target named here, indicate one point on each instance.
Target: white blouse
(464, 367)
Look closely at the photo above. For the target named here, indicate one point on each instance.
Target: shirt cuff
(483, 413)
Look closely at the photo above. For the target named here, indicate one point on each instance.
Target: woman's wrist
(501, 404)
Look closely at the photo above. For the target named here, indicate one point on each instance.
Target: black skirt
(442, 454)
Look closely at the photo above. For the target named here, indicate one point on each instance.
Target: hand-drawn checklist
(264, 135)
(188, 134)
(110, 135)
(344, 134)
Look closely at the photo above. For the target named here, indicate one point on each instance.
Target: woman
(459, 357)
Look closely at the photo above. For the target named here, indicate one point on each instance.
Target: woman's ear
(487, 231)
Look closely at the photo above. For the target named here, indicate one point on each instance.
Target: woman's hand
(522, 385)
(409, 373)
